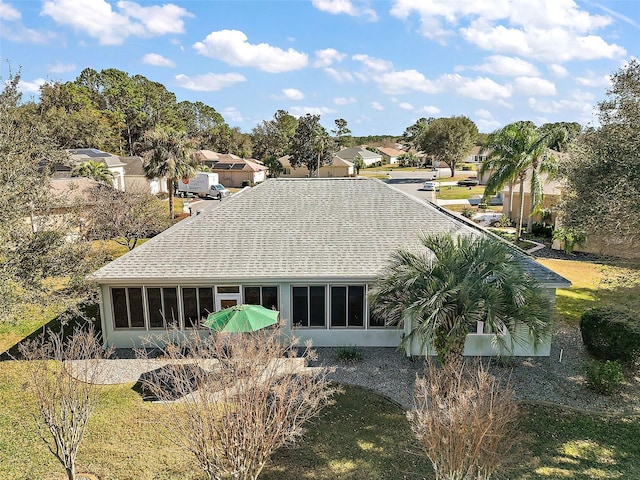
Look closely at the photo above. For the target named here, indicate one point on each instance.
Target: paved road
(412, 182)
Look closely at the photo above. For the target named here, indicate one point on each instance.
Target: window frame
(347, 308)
(308, 297)
(128, 305)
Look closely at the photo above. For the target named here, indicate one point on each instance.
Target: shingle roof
(351, 153)
(293, 229)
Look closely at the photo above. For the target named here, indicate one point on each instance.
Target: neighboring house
(477, 155)
(337, 168)
(208, 157)
(135, 178)
(309, 248)
(349, 154)
(113, 163)
(390, 155)
(71, 200)
(552, 189)
(232, 170)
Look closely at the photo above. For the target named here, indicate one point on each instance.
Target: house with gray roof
(367, 156)
(309, 248)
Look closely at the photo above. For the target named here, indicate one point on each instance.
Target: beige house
(390, 155)
(552, 189)
(136, 180)
(337, 168)
(477, 155)
(232, 170)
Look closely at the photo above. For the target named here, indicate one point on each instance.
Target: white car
(218, 191)
(431, 186)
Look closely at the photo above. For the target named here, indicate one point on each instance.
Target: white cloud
(301, 111)
(293, 93)
(406, 106)
(506, 66)
(157, 60)
(344, 100)
(7, 12)
(327, 57)
(231, 46)
(209, 82)
(578, 102)
(405, 81)
(375, 64)
(429, 110)
(97, 19)
(31, 87)
(534, 86)
(485, 120)
(480, 88)
(593, 80)
(555, 45)
(60, 67)
(546, 30)
(347, 7)
(232, 114)
(157, 20)
(340, 76)
(558, 70)
(377, 106)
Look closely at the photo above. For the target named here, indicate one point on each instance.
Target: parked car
(218, 191)
(468, 182)
(431, 186)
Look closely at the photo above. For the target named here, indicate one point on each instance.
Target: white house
(368, 156)
(113, 163)
(390, 155)
(310, 248)
(135, 178)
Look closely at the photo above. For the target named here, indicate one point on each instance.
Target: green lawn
(363, 436)
(454, 192)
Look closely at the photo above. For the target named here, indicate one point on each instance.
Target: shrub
(604, 377)
(467, 212)
(542, 230)
(349, 354)
(465, 420)
(611, 333)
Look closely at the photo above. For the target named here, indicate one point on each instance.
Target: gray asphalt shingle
(286, 229)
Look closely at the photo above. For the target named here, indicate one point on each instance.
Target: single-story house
(232, 170)
(477, 155)
(390, 155)
(135, 178)
(337, 168)
(350, 154)
(113, 163)
(551, 189)
(310, 248)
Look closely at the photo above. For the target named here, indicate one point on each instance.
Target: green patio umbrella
(242, 318)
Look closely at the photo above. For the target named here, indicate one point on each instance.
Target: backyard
(362, 436)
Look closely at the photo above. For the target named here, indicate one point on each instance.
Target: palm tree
(97, 171)
(321, 145)
(167, 154)
(516, 150)
(445, 289)
(358, 163)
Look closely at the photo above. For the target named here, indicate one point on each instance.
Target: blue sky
(380, 65)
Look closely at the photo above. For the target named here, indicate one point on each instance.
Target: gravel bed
(557, 379)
